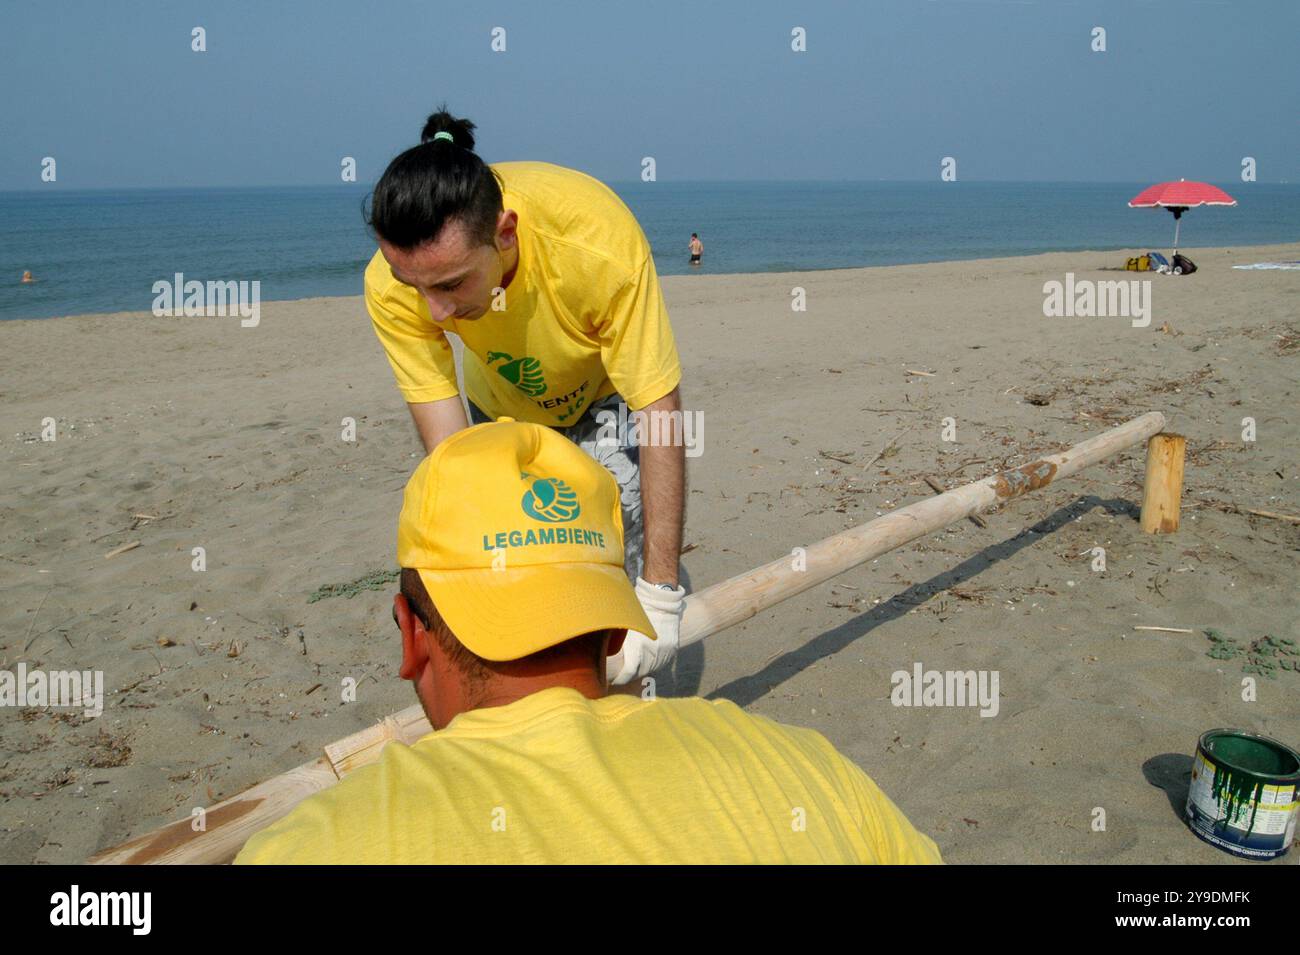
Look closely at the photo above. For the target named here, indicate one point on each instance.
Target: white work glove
(641, 655)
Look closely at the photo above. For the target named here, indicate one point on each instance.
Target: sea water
(102, 251)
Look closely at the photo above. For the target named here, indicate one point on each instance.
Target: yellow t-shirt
(584, 316)
(557, 778)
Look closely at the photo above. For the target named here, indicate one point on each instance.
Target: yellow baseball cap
(518, 537)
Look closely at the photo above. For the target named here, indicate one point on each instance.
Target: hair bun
(461, 130)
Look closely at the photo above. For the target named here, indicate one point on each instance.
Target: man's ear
(616, 638)
(507, 222)
(415, 646)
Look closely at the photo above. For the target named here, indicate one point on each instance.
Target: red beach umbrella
(1178, 197)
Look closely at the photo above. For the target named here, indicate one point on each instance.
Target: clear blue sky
(712, 90)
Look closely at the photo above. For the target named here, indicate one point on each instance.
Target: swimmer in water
(27, 278)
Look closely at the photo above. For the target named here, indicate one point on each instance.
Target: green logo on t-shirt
(524, 373)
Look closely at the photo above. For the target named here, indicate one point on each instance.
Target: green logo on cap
(550, 500)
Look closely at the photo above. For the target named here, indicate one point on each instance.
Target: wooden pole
(1162, 488)
(230, 823)
(225, 826)
(733, 601)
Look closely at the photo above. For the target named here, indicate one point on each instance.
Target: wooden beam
(733, 601)
(225, 826)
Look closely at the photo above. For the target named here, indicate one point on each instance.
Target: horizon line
(630, 182)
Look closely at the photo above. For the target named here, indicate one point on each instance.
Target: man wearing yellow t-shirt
(547, 279)
(530, 761)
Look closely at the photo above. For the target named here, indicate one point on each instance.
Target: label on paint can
(1239, 811)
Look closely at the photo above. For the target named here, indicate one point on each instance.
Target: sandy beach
(184, 433)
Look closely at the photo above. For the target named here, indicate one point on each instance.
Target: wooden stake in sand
(228, 824)
(1162, 490)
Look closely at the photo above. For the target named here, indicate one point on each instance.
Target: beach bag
(1159, 262)
(1183, 265)
(1138, 263)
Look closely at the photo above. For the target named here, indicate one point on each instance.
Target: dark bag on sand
(1183, 265)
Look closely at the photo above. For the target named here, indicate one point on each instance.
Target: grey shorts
(623, 460)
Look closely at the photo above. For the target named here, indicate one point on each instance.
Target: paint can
(1245, 793)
